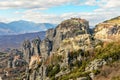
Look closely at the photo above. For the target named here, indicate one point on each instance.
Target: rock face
(35, 60)
(26, 47)
(36, 46)
(32, 54)
(50, 34)
(108, 30)
(68, 28)
(45, 48)
(54, 42)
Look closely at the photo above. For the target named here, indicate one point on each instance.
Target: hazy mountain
(4, 29)
(18, 27)
(14, 41)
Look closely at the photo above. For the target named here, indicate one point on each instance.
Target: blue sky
(54, 11)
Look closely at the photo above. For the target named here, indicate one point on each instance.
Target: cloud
(44, 4)
(3, 19)
(90, 2)
(112, 4)
(94, 17)
(102, 3)
(107, 9)
(30, 4)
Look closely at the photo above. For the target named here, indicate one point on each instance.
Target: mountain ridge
(14, 41)
(21, 26)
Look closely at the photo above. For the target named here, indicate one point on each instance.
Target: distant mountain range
(21, 26)
(15, 41)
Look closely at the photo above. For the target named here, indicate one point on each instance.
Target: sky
(55, 11)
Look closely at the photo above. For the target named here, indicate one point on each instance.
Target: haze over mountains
(14, 33)
(15, 41)
(21, 26)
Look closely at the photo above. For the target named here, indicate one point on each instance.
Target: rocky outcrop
(54, 43)
(35, 61)
(36, 46)
(18, 63)
(50, 34)
(36, 53)
(70, 28)
(45, 48)
(108, 30)
(83, 41)
(26, 47)
(95, 65)
(16, 59)
(67, 29)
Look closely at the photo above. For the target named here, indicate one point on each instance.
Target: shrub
(49, 69)
(110, 50)
(96, 72)
(52, 78)
(52, 70)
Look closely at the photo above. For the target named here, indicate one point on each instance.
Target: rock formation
(70, 28)
(50, 34)
(95, 65)
(54, 42)
(35, 60)
(45, 48)
(26, 47)
(108, 30)
(18, 62)
(66, 47)
(16, 59)
(36, 46)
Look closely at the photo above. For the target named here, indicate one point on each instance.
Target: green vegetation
(78, 31)
(77, 72)
(75, 75)
(96, 72)
(52, 70)
(109, 50)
